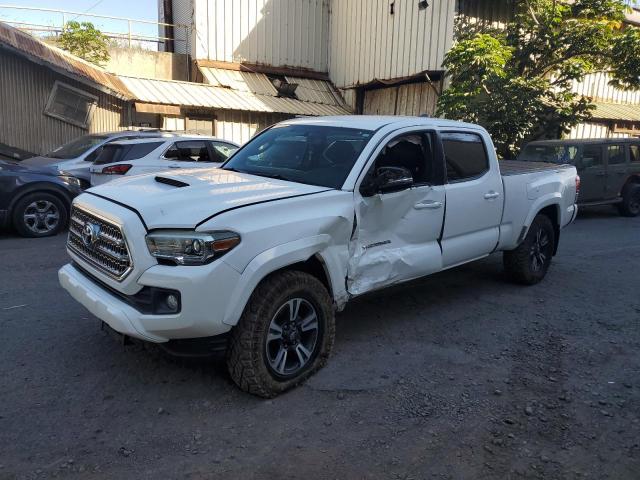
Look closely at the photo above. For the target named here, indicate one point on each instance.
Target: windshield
(76, 147)
(311, 154)
(559, 154)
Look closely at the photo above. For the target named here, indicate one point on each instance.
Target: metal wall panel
(597, 87)
(594, 130)
(24, 90)
(290, 33)
(485, 13)
(410, 99)
(368, 42)
(239, 126)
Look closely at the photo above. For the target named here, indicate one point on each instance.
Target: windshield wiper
(231, 169)
(275, 176)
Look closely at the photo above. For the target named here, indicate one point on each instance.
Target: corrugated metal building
(617, 112)
(48, 97)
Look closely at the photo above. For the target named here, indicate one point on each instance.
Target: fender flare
(39, 187)
(268, 262)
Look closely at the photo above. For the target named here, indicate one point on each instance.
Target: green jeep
(609, 168)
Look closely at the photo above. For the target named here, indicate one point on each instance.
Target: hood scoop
(171, 181)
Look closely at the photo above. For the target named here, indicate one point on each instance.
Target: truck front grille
(100, 243)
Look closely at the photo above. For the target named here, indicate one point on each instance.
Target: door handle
(427, 205)
(175, 166)
(491, 195)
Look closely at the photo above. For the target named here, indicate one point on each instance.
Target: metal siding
(273, 32)
(409, 99)
(369, 43)
(240, 126)
(487, 13)
(24, 90)
(597, 87)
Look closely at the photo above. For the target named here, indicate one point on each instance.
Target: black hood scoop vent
(171, 181)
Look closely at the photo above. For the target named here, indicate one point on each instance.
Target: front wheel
(39, 214)
(285, 334)
(528, 264)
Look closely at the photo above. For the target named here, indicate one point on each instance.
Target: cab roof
(375, 122)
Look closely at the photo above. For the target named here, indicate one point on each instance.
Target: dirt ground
(457, 376)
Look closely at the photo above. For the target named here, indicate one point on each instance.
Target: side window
(592, 156)
(222, 151)
(634, 153)
(139, 150)
(465, 156)
(188, 151)
(616, 154)
(413, 152)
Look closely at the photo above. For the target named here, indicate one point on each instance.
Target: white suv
(134, 157)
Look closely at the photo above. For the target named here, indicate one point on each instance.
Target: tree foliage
(516, 81)
(85, 41)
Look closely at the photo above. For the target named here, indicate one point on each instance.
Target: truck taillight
(577, 186)
(120, 169)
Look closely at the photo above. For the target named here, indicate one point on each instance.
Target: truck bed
(519, 167)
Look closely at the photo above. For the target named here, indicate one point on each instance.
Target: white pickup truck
(254, 259)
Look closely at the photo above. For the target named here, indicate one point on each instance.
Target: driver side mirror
(386, 180)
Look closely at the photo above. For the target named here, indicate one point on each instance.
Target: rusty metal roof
(308, 90)
(63, 62)
(617, 111)
(172, 92)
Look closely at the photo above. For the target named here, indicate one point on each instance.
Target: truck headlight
(190, 248)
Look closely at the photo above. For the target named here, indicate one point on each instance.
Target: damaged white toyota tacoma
(253, 259)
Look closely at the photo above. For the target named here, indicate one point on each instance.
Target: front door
(475, 199)
(396, 237)
(592, 174)
(617, 168)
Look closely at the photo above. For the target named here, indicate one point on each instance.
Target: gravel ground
(459, 375)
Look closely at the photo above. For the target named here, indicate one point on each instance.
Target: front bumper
(204, 291)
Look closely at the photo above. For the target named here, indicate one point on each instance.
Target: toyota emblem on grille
(90, 233)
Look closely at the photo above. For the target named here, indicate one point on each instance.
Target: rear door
(617, 169)
(592, 173)
(474, 195)
(188, 154)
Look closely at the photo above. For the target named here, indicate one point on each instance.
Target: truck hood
(170, 200)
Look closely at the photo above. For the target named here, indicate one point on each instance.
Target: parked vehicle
(76, 156)
(254, 258)
(36, 200)
(609, 168)
(134, 157)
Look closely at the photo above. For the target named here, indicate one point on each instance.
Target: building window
(70, 105)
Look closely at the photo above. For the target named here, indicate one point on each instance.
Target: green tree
(516, 81)
(85, 41)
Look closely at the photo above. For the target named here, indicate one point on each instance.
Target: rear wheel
(528, 264)
(39, 214)
(630, 205)
(285, 334)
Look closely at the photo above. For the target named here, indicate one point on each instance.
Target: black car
(36, 200)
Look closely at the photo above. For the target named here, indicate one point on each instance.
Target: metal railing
(128, 34)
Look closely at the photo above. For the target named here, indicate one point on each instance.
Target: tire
(630, 205)
(39, 214)
(528, 264)
(255, 345)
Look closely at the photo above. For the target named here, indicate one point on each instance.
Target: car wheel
(39, 214)
(528, 264)
(630, 205)
(285, 334)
